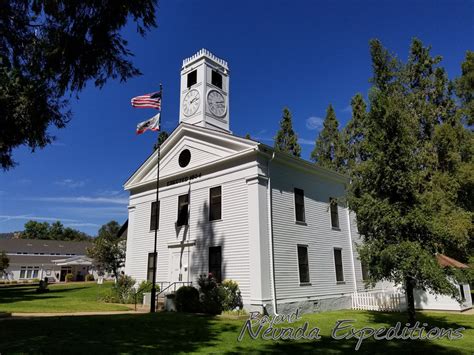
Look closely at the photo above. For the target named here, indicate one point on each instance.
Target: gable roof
(207, 145)
(31, 246)
(445, 261)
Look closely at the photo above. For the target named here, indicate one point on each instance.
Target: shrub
(2, 282)
(123, 289)
(211, 295)
(13, 282)
(187, 299)
(89, 277)
(35, 281)
(232, 298)
(69, 277)
(145, 286)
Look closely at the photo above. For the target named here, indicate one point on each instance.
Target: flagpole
(157, 212)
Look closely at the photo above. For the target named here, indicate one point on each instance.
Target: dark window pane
(299, 205)
(461, 289)
(216, 79)
(150, 268)
(153, 219)
(215, 203)
(192, 78)
(334, 213)
(303, 263)
(338, 264)
(215, 262)
(183, 203)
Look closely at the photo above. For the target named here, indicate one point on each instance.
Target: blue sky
(300, 54)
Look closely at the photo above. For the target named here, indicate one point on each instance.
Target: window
(334, 213)
(338, 265)
(215, 262)
(155, 215)
(215, 203)
(149, 275)
(29, 272)
(461, 289)
(365, 271)
(303, 266)
(216, 79)
(299, 205)
(183, 203)
(192, 78)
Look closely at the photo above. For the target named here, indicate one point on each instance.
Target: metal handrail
(183, 283)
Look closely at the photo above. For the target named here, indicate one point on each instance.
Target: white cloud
(82, 199)
(305, 141)
(8, 218)
(70, 183)
(82, 225)
(348, 108)
(314, 123)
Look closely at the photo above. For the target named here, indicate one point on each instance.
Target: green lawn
(180, 333)
(74, 297)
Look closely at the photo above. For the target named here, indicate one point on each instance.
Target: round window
(184, 158)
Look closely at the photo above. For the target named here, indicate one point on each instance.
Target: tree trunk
(409, 286)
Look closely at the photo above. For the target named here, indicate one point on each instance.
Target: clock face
(191, 102)
(216, 102)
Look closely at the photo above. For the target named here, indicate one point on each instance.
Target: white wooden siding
(317, 234)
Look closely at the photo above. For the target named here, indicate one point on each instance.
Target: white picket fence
(386, 301)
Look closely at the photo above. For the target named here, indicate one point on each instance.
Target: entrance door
(64, 271)
(179, 266)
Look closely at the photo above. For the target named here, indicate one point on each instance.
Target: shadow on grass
(11, 295)
(137, 333)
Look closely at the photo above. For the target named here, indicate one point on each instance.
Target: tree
(465, 88)
(286, 139)
(161, 139)
(4, 262)
(353, 134)
(405, 191)
(328, 148)
(52, 48)
(55, 231)
(247, 136)
(108, 250)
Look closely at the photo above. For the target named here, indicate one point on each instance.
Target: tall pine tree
(328, 150)
(286, 139)
(406, 190)
(353, 133)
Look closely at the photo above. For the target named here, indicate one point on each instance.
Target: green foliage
(211, 295)
(187, 299)
(411, 162)
(353, 134)
(232, 298)
(247, 136)
(328, 151)
(55, 231)
(161, 139)
(286, 139)
(50, 49)
(108, 250)
(465, 88)
(145, 286)
(89, 277)
(69, 277)
(4, 262)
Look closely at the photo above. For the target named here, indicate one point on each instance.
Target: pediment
(205, 146)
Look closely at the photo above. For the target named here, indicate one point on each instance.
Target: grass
(74, 297)
(183, 333)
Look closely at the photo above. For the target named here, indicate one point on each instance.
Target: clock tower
(205, 91)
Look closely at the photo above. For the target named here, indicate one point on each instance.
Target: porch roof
(444, 261)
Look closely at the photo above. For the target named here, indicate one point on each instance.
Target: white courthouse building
(276, 224)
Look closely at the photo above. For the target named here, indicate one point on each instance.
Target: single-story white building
(36, 259)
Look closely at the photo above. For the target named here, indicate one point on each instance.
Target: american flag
(152, 100)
